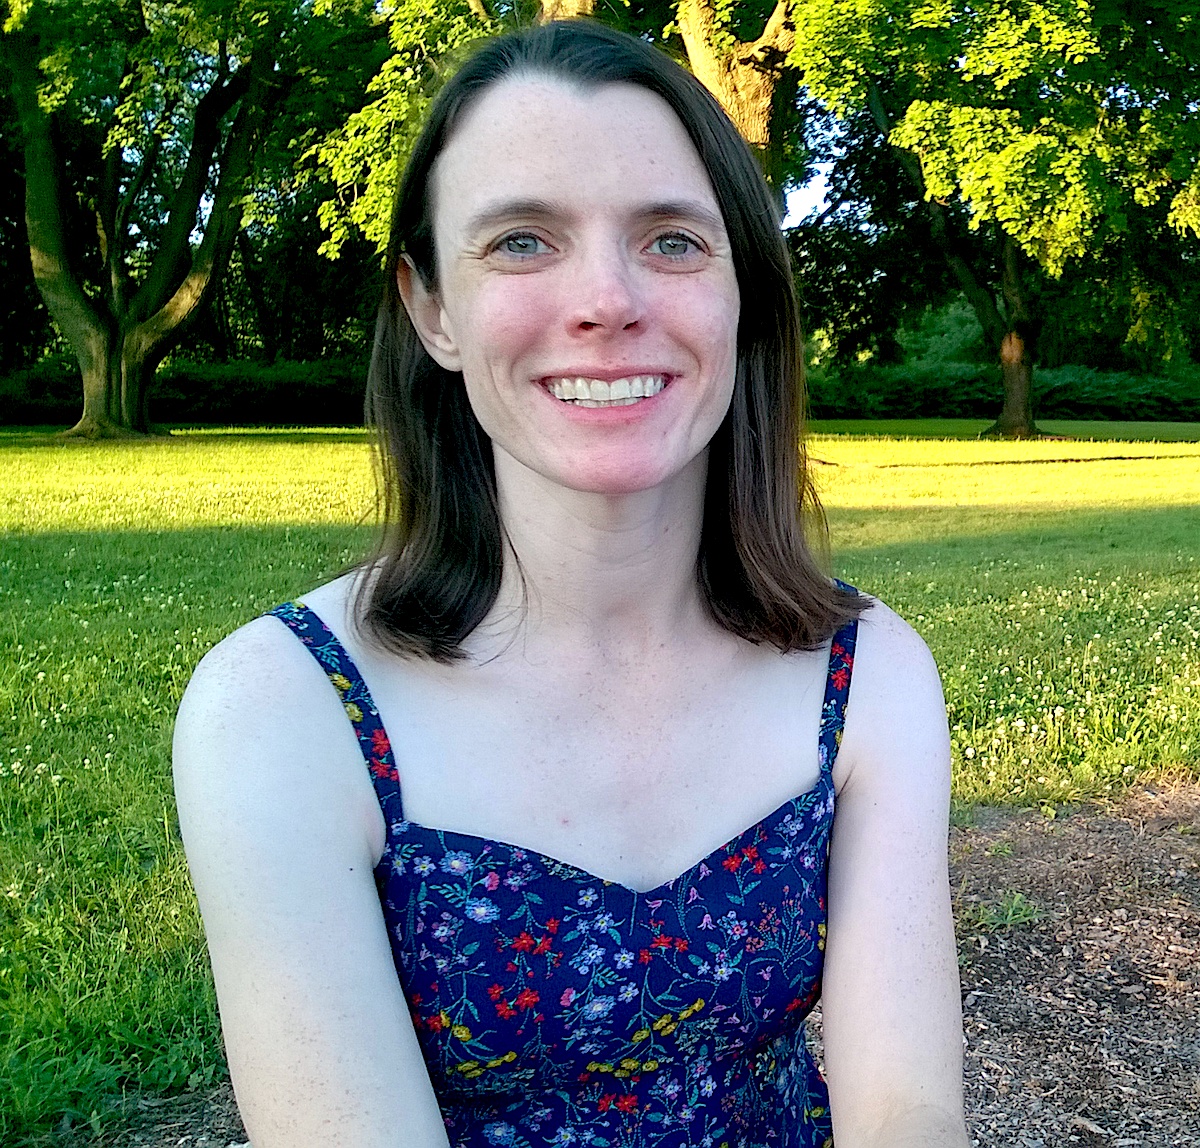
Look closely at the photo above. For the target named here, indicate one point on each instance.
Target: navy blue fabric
(556, 1008)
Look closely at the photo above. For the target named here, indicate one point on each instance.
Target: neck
(596, 571)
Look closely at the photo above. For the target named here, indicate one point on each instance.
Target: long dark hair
(436, 569)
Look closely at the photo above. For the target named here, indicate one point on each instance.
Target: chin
(617, 481)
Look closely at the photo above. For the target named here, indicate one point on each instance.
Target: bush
(328, 392)
(925, 389)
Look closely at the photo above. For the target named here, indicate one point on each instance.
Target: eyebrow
(533, 208)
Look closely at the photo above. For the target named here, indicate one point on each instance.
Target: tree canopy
(144, 125)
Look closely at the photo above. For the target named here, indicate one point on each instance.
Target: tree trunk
(1016, 367)
(1017, 350)
(565, 9)
(752, 82)
(1011, 336)
(120, 341)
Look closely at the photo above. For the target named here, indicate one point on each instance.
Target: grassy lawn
(1057, 582)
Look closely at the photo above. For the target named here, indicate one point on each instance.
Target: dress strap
(837, 691)
(360, 707)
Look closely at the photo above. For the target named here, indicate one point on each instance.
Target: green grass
(1056, 582)
(973, 428)
(1010, 911)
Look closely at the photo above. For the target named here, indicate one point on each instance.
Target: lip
(605, 375)
(620, 414)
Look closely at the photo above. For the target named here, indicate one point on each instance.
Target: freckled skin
(592, 290)
(599, 714)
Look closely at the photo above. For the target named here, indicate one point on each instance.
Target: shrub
(327, 392)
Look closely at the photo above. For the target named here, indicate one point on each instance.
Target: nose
(605, 294)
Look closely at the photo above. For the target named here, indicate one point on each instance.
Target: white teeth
(599, 393)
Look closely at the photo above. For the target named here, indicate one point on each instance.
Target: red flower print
(680, 945)
(552, 925)
(379, 742)
(662, 942)
(524, 942)
(848, 663)
(759, 865)
(495, 992)
(527, 998)
(505, 1010)
(627, 1104)
(750, 852)
(543, 946)
(435, 1023)
(378, 769)
(605, 1102)
(644, 957)
(732, 863)
(837, 649)
(840, 679)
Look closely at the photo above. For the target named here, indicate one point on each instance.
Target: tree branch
(772, 47)
(981, 299)
(163, 328)
(175, 247)
(83, 327)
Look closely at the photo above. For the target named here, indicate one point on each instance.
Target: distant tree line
(214, 179)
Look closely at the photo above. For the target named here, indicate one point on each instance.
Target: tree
(739, 51)
(142, 123)
(24, 324)
(1053, 122)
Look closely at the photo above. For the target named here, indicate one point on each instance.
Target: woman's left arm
(890, 1000)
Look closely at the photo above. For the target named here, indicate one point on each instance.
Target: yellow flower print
(341, 683)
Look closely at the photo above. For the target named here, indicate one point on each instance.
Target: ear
(428, 317)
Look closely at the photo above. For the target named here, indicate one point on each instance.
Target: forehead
(590, 147)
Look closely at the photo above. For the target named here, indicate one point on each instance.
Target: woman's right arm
(282, 832)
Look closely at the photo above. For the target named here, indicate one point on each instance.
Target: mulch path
(1081, 1024)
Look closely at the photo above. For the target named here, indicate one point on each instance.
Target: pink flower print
(492, 881)
(693, 895)
(707, 922)
(567, 997)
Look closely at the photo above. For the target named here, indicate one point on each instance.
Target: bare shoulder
(260, 724)
(262, 674)
(896, 708)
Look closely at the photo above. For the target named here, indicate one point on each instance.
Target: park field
(1057, 583)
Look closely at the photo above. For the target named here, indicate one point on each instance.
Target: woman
(601, 650)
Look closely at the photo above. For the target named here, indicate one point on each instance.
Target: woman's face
(586, 286)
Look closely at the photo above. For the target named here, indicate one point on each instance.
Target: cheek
(498, 325)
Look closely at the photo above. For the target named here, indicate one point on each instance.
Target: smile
(598, 393)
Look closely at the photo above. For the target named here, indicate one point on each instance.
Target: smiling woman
(592, 888)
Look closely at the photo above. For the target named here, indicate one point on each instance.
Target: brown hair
(437, 564)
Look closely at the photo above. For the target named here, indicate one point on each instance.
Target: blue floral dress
(557, 1008)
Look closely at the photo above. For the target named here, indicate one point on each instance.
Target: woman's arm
(890, 1002)
(282, 832)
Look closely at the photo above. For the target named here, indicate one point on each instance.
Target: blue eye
(674, 244)
(520, 243)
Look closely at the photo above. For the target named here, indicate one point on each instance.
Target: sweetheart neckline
(803, 800)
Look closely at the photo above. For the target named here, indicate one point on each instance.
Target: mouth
(601, 393)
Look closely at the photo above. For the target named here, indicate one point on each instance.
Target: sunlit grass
(1061, 599)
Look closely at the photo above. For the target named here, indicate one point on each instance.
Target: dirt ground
(1080, 1014)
